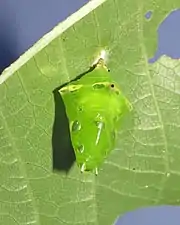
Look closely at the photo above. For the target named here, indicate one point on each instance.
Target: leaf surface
(144, 167)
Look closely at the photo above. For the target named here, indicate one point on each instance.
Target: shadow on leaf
(62, 149)
(63, 153)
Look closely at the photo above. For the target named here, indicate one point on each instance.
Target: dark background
(23, 22)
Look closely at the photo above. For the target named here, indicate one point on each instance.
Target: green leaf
(144, 167)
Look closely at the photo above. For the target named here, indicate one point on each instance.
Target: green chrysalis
(94, 106)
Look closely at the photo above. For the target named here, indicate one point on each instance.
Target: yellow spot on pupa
(70, 88)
